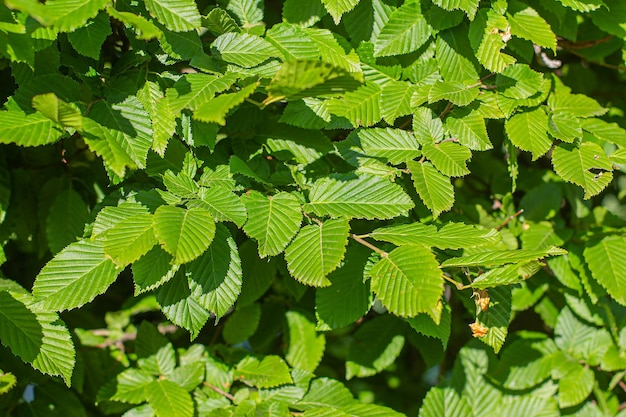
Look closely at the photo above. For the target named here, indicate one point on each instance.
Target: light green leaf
(396, 100)
(487, 34)
(66, 220)
(518, 81)
(502, 257)
(565, 127)
(575, 385)
(369, 410)
(338, 8)
(526, 362)
(469, 129)
(375, 346)
(88, 39)
(75, 276)
(361, 107)
(58, 111)
(405, 31)
(408, 281)
(326, 392)
(506, 275)
(176, 15)
(434, 188)
(316, 251)
(273, 221)
(444, 402)
(450, 236)
(366, 197)
(583, 5)
(32, 130)
(144, 29)
(526, 23)
(496, 318)
(575, 164)
(426, 325)
(243, 49)
(128, 386)
(215, 278)
(458, 93)
(162, 115)
(109, 216)
(242, 323)
(182, 46)
(270, 372)
(36, 336)
(454, 57)
(347, 298)
(219, 22)
(331, 51)
(216, 109)
(448, 157)
(611, 132)
(468, 6)
(248, 12)
(223, 204)
(193, 90)
(292, 42)
(427, 127)
(180, 306)
(69, 15)
(607, 262)
(184, 234)
(580, 340)
(130, 239)
(306, 347)
(152, 270)
(396, 145)
(529, 131)
(579, 105)
(168, 399)
(303, 13)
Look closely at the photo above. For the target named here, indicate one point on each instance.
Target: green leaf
(242, 323)
(427, 326)
(434, 188)
(487, 33)
(168, 399)
(526, 362)
(450, 236)
(38, 337)
(361, 107)
(28, 130)
(347, 298)
(144, 29)
(163, 117)
(366, 197)
(184, 234)
(444, 402)
(128, 386)
(292, 43)
(496, 318)
(69, 15)
(326, 392)
(176, 15)
(75, 276)
(243, 49)
(405, 31)
(502, 257)
(468, 6)
(180, 306)
(396, 100)
(565, 127)
(222, 203)
(109, 216)
(130, 239)
(396, 145)
(526, 23)
(579, 105)
(219, 22)
(518, 81)
(585, 165)
(303, 12)
(448, 157)
(607, 262)
(215, 278)
(193, 90)
(216, 109)
(427, 127)
(369, 410)
(152, 270)
(88, 39)
(273, 221)
(248, 12)
(337, 8)
(58, 111)
(470, 130)
(408, 281)
(374, 347)
(580, 340)
(602, 130)
(457, 93)
(454, 57)
(66, 220)
(331, 51)
(316, 251)
(306, 347)
(582, 5)
(506, 275)
(270, 372)
(529, 131)
(575, 385)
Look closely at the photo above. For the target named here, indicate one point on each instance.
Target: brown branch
(219, 391)
(369, 245)
(504, 223)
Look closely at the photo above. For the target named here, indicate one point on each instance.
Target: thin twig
(219, 391)
(126, 337)
(369, 245)
(446, 110)
(504, 223)
(457, 284)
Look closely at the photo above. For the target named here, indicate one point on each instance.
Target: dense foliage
(266, 208)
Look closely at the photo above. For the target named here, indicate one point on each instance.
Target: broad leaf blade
(607, 262)
(176, 15)
(434, 188)
(306, 347)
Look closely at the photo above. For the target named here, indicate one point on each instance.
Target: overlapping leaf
(434, 188)
(176, 15)
(585, 165)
